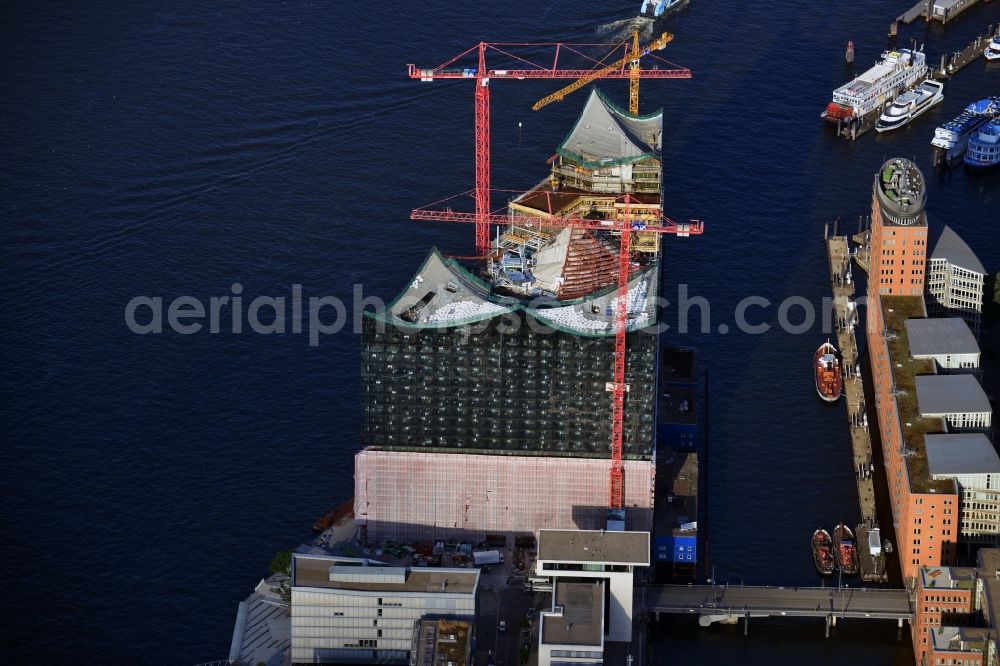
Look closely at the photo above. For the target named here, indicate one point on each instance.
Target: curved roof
(954, 250)
(605, 135)
(443, 294)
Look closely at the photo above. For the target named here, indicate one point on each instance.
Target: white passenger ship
(895, 72)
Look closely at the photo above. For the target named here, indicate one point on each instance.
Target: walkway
(722, 603)
(846, 319)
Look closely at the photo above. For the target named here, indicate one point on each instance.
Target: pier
(932, 11)
(728, 604)
(953, 62)
(846, 319)
(950, 64)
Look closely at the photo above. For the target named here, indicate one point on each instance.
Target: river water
(174, 150)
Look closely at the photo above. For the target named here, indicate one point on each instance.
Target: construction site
(518, 390)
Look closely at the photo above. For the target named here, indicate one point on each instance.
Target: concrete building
(957, 613)
(924, 510)
(594, 556)
(958, 399)
(348, 610)
(573, 632)
(955, 279)
(948, 342)
(973, 463)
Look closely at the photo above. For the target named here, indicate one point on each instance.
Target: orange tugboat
(847, 552)
(826, 365)
(822, 547)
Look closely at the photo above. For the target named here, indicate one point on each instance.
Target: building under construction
(488, 391)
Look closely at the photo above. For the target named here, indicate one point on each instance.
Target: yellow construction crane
(631, 59)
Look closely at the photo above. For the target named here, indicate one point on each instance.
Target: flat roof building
(957, 613)
(947, 341)
(959, 399)
(963, 455)
(357, 611)
(973, 463)
(575, 627)
(589, 556)
(441, 643)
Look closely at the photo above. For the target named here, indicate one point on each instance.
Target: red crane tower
(528, 67)
(525, 68)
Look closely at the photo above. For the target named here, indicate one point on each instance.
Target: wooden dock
(846, 320)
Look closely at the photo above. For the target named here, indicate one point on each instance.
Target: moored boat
(953, 137)
(846, 549)
(984, 146)
(895, 72)
(992, 51)
(829, 376)
(822, 550)
(909, 105)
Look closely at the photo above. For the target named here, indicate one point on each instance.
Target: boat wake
(622, 29)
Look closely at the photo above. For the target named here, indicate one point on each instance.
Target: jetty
(956, 60)
(950, 64)
(846, 319)
(936, 10)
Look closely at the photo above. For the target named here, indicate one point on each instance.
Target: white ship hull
(894, 73)
(911, 105)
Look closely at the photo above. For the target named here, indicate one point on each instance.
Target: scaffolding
(411, 495)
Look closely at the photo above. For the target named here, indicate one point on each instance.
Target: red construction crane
(526, 65)
(624, 225)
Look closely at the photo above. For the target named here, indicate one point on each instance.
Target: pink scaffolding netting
(402, 495)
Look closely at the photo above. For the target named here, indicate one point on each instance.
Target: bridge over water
(727, 604)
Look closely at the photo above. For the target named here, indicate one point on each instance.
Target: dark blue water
(167, 151)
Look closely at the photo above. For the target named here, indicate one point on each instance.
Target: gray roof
(965, 453)
(593, 546)
(951, 394)
(327, 572)
(604, 134)
(582, 619)
(940, 336)
(953, 249)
